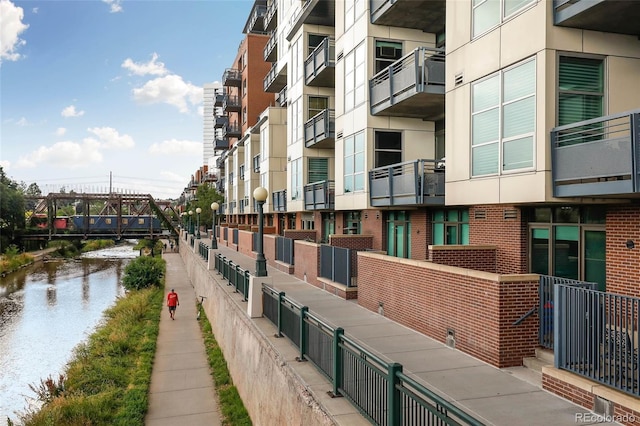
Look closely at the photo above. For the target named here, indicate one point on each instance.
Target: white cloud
(174, 147)
(70, 111)
(11, 26)
(61, 131)
(64, 154)
(5, 164)
(172, 90)
(109, 138)
(114, 5)
(35, 10)
(153, 67)
(23, 122)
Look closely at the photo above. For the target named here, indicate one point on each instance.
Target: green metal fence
(234, 274)
(203, 250)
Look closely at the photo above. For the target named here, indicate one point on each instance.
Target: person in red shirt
(172, 302)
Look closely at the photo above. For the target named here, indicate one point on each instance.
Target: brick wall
(478, 307)
(269, 249)
(480, 258)
(354, 242)
(623, 270)
(488, 226)
(245, 243)
(420, 234)
(301, 234)
(372, 224)
(307, 262)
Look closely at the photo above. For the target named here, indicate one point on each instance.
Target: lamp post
(214, 208)
(260, 194)
(198, 210)
(190, 221)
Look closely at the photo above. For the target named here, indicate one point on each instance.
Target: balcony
(220, 163)
(220, 144)
(270, 20)
(220, 121)
(231, 130)
(413, 86)
(610, 16)
(223, 208)
(218, 99)
(281, 98)
(279, 199)
(314, 12)
(231, 103)
(255, 24)
(275, 80)
(270, 51)
(426, 15)
(320, 65)
(319, 131)
(319, 195)
(412, 183)
(599, 157)
(232, 77)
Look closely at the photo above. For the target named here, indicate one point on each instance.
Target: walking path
(182, 390)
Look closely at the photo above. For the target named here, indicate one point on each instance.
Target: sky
(100, 93)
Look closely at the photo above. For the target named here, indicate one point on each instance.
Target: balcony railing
(413, 86)
(231, 103)
(410, 183)
(314, 12)
(279, 199)
(597, 157)
(319, 131)
(218, 99)
(319, 67)
(232, 77)
(426, 15)
(220, 121)
(256, 22)
(270, 51)
(231, 130)
(609, 16)
(256, 164)
(276, 79)
(270, 20)
(281, 99)
(223, 208)
(319, 195)
(221, 144)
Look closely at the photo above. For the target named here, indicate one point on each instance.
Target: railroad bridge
(99, 216)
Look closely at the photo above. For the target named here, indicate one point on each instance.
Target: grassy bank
(231, 406)
(107, 382)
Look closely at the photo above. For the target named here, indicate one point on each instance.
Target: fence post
(394, 408)
(237, 274)
(246, 287)
(558, 324)
(337, 361)
(280, 298)
(303, 335)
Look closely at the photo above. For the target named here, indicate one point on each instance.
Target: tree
(12, 209)
(206, 194)
(33, 190)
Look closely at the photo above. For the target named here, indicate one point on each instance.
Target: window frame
(353, 156)
(603, 95)
(376, 149)
(352, 71)
(459, 224)
(502, 17)
(377, 60)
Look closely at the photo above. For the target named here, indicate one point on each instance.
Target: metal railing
(279, 199)
(203, 250)
(234, 274)
(320, 127)
(231, 77)
(269, 53)
(335, 264)
(409, 183)
(379, 389)
(322, 57)
(319, 195)
(597, 336)
(284, 250)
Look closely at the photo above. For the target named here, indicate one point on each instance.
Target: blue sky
(95, 88)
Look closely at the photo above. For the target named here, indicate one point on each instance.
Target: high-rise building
(208, 131)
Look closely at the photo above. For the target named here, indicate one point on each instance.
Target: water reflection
(45, 311)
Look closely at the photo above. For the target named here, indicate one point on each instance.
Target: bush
(143, 272)
(14, 260)
(97, 245)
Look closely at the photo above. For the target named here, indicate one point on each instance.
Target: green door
(594, 255)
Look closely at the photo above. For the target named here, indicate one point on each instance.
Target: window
(307, 221)
(451, 227)
(297, 61)
(244, 115)
(296, 179)
(388, 148)
(318, 169)
(387, 52)
(241, 172)
(503, 120)
(580, 89)
(489, 13)
(354, 163)
(398, 234)
(352, 11)
(352, 224)
(316, 105)
(354, 78)
(244, 88)
(328, 226)
(264, 142)
(440, 140)
(296, 120)
(315, 40)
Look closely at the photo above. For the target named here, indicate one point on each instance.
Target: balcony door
(398, 234)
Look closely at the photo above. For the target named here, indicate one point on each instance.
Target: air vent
(480, 214)
(510, 214)
(339, 56)
(459, 79)
(339, 135)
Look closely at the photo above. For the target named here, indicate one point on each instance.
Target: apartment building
(462, 138)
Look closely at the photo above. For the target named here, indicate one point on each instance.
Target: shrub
(143, 272)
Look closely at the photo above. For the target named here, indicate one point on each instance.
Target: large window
(388, 149)
(295, 119)
(387, 52)
(503, 118)
(451, 227)
(352, 11)
(354, 163)
(317, 104)
(318, 169)
(352, 223)
(355, 77)
(580, 89)
(296, 179)
(490, 13)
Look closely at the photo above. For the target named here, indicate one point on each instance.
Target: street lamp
(198, 210)
(191, 221)
(260, 194)
(214, 243)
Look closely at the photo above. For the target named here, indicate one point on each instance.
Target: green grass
(107, 381)
(231, 406)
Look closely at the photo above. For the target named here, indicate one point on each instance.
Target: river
(46, 310)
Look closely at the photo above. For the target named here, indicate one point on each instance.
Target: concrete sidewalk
(182, 390)
(507, 397)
